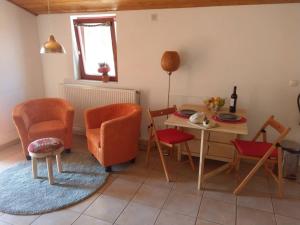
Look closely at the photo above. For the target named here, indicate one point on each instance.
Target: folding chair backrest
(277, 126)
(162, 112)
(158, 113)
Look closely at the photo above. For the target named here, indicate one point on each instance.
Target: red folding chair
(168, 137)
(262, 151)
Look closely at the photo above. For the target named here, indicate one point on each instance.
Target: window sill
(91, 82)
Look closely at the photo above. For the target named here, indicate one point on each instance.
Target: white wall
(20, 64)
(256, 48)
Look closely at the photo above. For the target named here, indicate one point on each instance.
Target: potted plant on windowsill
(104, 69)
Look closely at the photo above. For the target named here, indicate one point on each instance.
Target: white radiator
(83, 97)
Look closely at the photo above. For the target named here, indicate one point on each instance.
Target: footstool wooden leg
(34, 167)
(49, 167)
(58, 162)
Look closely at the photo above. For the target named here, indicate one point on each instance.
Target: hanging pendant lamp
(52, 46)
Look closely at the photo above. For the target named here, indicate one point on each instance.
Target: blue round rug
(20, 194)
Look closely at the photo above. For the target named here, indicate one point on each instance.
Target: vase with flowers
(104, 69)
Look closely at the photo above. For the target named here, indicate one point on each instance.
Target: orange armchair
(112, 133)
(40, 118)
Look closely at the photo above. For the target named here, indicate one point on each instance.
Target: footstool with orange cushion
(46, 148)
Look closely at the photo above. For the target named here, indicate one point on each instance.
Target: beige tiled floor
(248, 216)
(217, 211)
(107, 208)
(166, 218)
(136, 214)
(151, 196)
(139, 195)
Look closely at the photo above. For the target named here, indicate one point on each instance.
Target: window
(96, 43)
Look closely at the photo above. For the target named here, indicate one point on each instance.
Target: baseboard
(143, 144)
(78, 131)
(9, 144)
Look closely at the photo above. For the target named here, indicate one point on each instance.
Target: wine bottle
(233, 101)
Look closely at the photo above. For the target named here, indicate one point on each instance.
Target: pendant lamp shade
(52, 46)
(170, 61)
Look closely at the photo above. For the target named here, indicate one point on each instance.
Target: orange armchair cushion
(50, 128)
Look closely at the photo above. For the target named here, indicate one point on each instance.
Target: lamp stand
(166, 153)
(169, 85)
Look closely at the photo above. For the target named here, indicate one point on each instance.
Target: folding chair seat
(173, 136)
(168, 137)
(254, 149)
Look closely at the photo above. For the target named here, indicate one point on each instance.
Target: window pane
(97, 46)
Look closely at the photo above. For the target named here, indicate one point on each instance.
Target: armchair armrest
(21, 126)
(20, 119)
(68, 114)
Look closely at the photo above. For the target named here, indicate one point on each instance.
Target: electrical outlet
(154, 17)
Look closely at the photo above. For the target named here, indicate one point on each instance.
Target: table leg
(201, 160)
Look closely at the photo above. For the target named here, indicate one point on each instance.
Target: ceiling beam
(73, 6)
(22, 7)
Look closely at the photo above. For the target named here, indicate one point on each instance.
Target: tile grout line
(202, 195)
(291, 217)
(236, 197)
(93, 218)
(220, 201)
(170, 190)
(5, 221)
(35, 219)
(93, 202)
(76, 218)
(173, 190)
(82, 213)
(129, 201)
(294, 218)
(143, 183)
(271, 196)
(236, 209)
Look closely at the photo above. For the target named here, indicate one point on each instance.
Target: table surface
(234, 128)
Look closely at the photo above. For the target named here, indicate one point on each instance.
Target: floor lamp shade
(170, 61)
(52, 46)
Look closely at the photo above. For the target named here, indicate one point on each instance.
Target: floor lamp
(170, 62)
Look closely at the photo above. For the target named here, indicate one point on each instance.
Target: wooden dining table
(239, 128)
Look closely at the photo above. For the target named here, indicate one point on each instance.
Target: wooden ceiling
(70, 6)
